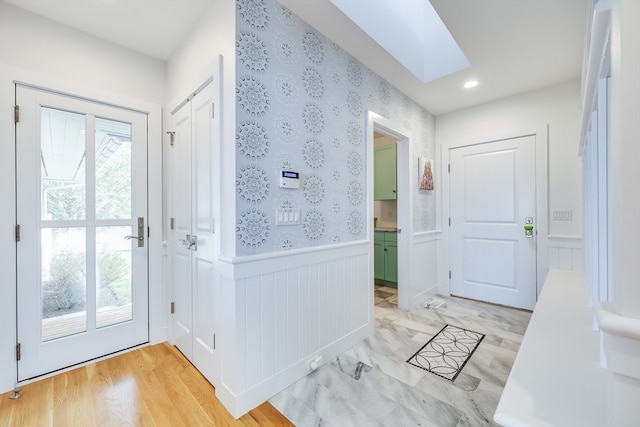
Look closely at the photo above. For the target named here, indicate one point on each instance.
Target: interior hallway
(391, 392)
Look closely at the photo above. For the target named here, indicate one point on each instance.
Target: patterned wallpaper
(301, 105)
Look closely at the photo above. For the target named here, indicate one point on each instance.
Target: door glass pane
(62, 164)
(63, 282)
(113, 169)
(113, 269)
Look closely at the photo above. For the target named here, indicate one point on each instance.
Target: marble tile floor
(372, 385)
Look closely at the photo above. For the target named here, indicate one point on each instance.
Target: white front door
(192, 157)
(82, 251)
(493, 235)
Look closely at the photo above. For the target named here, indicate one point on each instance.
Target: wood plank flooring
(150, 386)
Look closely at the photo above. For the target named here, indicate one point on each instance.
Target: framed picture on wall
(425, 172)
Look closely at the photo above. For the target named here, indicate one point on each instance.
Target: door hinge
(213, 110)
(16, 113)
(214, 341)
(449, 168)
(171, 223)
(17, 232)
(173, 307)
(171, 135)
(449, 274)
(449, 221)
(148, 231)
(18, 352)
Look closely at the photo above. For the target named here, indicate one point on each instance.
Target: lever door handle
(528, 231)
(140, 236)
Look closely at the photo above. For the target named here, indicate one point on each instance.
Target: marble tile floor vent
(447, 352)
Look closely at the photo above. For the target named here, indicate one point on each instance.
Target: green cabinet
(385, 258)
(384, 182)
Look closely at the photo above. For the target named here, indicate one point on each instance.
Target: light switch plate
(287, 217)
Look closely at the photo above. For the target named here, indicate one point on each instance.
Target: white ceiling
(514, 46)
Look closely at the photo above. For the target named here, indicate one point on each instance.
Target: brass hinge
(173, 307)
(18, 352)
(16, 113)
(213, 109)
(17, 232)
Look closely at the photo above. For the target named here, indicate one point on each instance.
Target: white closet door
(193, 209)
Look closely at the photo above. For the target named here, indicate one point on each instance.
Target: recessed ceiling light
(470, 84)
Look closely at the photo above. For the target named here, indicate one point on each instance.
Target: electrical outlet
(562, 215)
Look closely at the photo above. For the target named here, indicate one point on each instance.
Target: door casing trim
(9, 76)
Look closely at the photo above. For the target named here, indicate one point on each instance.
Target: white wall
(34, 43)
(559, 108)
(37, 51)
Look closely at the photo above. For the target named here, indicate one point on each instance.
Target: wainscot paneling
(565, 253)
(424, 280)
(279, 311)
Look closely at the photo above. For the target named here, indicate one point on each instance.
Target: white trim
(562, 241)
(599, 35)
(237, 268)
(405, 176)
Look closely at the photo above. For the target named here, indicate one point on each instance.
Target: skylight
(411, 31)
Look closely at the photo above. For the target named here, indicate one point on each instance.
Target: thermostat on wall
(289, 179)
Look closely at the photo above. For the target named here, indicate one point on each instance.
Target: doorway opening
(390, 178)
(385, 220)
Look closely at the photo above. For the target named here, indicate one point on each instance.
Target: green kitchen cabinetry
(384, 182)
(385, 258)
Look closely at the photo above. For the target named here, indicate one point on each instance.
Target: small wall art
(425, 172)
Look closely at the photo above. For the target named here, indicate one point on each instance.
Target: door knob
(192, 242)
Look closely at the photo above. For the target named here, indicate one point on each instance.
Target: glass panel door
(75, 163)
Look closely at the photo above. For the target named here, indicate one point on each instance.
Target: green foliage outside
(65, 291)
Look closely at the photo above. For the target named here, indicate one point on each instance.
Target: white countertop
(556, 379)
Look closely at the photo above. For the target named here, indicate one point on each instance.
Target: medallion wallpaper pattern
(301, 105)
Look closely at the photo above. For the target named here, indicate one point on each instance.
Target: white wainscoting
(565, 253)
(278, 311)
(424, 277)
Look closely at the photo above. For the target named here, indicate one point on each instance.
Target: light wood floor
(150, 386)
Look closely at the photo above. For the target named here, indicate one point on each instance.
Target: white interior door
(193, 246)
(493, 193)
(82, 252)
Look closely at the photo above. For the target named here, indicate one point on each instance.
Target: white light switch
(287, 216)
